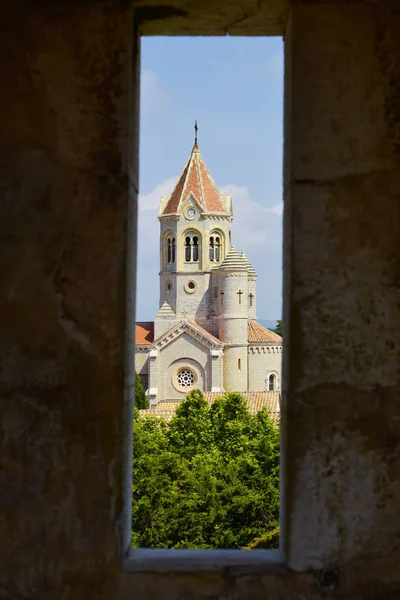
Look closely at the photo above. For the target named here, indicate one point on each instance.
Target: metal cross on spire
(195, 133)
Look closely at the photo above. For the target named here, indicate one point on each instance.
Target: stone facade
(202, 333)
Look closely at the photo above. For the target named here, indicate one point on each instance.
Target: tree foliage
(278, 327)
(207, 479)
(140, 394)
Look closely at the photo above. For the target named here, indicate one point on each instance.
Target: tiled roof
(258, 333)
(255, 402)
(165, 311)
(195, 179)
(248, 263)
(204, 331)
(144, 334)
(234, 261)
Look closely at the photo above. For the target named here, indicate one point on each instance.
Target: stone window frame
(175, 376)
(168, 236)
(139, 560)
(273, 374)
(302, 548)
(190, 290)
(217, 233)
(192, 233)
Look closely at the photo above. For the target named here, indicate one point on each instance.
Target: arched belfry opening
(191, 243)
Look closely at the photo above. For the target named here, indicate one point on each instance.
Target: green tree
(140, 394)
(278, 327)
(207, 479)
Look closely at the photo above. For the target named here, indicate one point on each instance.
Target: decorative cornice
(265, 349)
(223, 273)
(171, 217)
(178, 330)
(216, 217)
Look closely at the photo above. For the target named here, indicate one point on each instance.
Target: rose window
(186, 378)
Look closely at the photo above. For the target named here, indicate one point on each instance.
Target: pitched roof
(166, 311)
(234, 261)
(144, 334)
(255, 402)
(192, 324)
(258, 333)
(248, 263)
(195, 179)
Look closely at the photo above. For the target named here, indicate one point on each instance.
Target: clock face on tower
(191, 212)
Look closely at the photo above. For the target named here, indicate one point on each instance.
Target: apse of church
(205, 335)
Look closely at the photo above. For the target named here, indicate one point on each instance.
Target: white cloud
(253, 223)
(151, 201)
(155, 96)
(256, 229)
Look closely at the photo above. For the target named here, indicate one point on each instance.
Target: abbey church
(205, 335)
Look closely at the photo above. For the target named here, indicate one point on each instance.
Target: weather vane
(195, 133)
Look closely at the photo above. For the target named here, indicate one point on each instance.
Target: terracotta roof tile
(144, 334)
(196, 179)
(258, 333)
(255, 402)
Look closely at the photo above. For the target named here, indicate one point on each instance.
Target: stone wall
(141, 361)
(264, 360)
(64, 215)
(190, 352)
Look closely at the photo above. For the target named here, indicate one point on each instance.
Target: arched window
(215, 247)
(215, 292)
(217, 250)
(173, 250)
(271, 382)
(239, 364)
(170, 250)
(192, 249)
(188, 249)
(195, 249)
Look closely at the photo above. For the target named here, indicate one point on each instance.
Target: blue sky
(234, 88)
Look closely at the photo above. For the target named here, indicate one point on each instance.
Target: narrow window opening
(271, 382)
(191, 311)
(173, 250)
(211, 249)
(195, 249)
(188, 249)
(217, 250)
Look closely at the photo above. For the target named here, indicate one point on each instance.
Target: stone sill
(178, 561)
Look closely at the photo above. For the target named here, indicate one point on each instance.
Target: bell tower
(195, 232)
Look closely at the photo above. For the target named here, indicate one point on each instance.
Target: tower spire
(195, 133)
